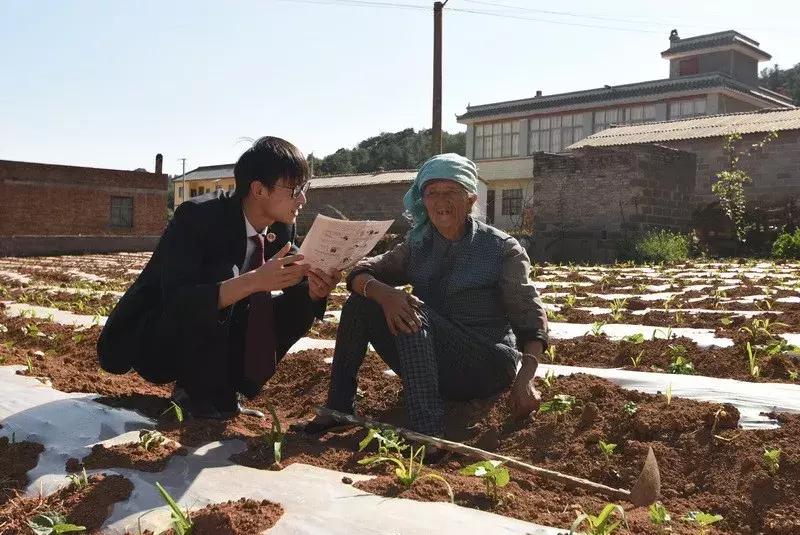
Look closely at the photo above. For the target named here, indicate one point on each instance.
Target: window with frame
(639, 114)
(687, 108)
(496, 140)
(180, 192)
(201, 190)
(122, 212)
(192, 192)
(554, 133)
(602, 119)
(512, 202)
(490, 206)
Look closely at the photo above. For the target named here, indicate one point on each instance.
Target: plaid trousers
(440, 361)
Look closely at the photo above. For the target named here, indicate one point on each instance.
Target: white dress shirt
(251, 247)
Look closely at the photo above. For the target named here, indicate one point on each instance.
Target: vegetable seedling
(569, 300)
(630, 408)
(597, 328)
(637, 359)
(637, 338)
(703, 520)
(606, 448)
(560, 404)
(494, 476)
(668, 393)
(181, 522)
(752, 362)
(52, 523)
(772, 459)
(601, 524)
(551, 353)
(150, 438)
(78, 481)
(549, 379)
(390, 448)
(176, 409)
(793, 375)
(659, 516)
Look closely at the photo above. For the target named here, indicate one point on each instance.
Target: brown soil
(242, 517)
(128, 456)
(324, 330)
(336, 302)
(71, 302)
(729, 362)
(703, 320)
(89, 506)
(16, 459)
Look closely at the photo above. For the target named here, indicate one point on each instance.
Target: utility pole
(183, 179)
(436, 131)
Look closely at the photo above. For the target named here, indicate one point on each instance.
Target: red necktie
(259, 352)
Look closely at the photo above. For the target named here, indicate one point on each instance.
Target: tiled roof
(208, 172)
(714, 40)
(347, 181)
(698, 127)
(619, 92)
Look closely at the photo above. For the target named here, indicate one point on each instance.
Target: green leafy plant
(793, 375)
(493, 474)
(680, 363)
(752, 361)
(637, 338)
(549, 379)
(29, 365)
(601, 524)
(606, 448)
(787, 245)
(772, 460)
(630, 408)
(618, 308)
(635, 361)
(78, 481)
(661, 246)
(150, 438)
(275, 435)
(725, 322)
(659, 516)
(666, 333)
(560, 404)
(181, 522)
(52, 523)
(703, 520)
(778, 346)
(597, 328)
(176, 410)
(390, 450)
(553, 315)
(729, 186)
(551, 353)
(761, 327)
(570, 300)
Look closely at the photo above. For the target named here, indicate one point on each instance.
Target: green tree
(406, 149)
(785, 81)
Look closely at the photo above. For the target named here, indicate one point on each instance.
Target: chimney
(673, 36)
(159, 163)
(538, 92)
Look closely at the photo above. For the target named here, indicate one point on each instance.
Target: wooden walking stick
(645, 491)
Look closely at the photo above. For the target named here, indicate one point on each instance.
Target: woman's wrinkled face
(448, 204)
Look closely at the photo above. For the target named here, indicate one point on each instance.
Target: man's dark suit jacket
(168, 320)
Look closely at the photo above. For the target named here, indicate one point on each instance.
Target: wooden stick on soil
(645, 491)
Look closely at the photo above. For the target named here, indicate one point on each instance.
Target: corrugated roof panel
(696, 128)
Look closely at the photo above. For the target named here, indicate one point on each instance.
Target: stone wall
(373, 201)
(587, 203)
(57, 201)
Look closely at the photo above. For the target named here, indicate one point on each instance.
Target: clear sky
(111, 83)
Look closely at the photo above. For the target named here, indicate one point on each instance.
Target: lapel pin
(271, 237)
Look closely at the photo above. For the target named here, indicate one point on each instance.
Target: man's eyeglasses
(298, 190)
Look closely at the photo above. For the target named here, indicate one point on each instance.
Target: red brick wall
(58, 200)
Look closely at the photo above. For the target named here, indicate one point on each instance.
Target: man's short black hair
(269, 159)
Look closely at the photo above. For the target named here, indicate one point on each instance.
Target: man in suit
(201, 312)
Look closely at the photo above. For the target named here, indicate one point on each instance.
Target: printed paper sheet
(339, 244)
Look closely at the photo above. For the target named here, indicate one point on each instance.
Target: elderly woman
(456, 336)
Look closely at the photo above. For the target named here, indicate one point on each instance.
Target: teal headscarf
(448, 166)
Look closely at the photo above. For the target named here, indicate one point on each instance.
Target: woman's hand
(400, 309)
(524, 397)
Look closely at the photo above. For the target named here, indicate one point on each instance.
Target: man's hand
(280, 271)
(321, 283)
(524, 397)
(400, 310)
